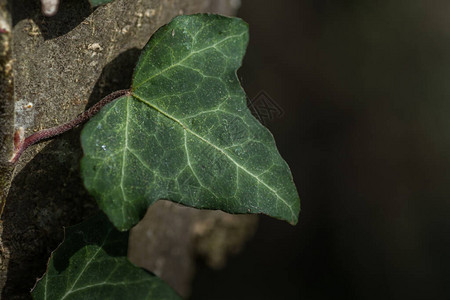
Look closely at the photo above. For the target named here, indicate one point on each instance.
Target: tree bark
(61, 65)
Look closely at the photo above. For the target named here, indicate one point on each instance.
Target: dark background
(365, 90)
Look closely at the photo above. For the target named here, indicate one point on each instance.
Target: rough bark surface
(61, 65)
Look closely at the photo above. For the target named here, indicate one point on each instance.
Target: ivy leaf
(92, 263)
(185, 133)
(95, 3)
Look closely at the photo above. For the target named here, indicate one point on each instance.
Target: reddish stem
(21, 145)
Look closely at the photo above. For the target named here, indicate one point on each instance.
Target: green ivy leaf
(185, 133)
(92, 263)
(95, 3)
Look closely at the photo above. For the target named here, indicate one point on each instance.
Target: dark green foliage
(99, 2)
(185, 133)
(92, 263)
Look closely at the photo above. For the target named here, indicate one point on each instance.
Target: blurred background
(364, 86)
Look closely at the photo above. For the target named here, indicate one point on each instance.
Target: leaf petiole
(21, 144)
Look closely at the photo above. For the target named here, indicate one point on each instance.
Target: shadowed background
(365, 93)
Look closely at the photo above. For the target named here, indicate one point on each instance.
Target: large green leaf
(92, 264)
(185, 133)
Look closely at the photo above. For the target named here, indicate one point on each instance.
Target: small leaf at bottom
(92, 263)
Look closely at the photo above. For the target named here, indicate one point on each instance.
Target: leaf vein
(185, 58)
(218, 149)
(87, 264)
